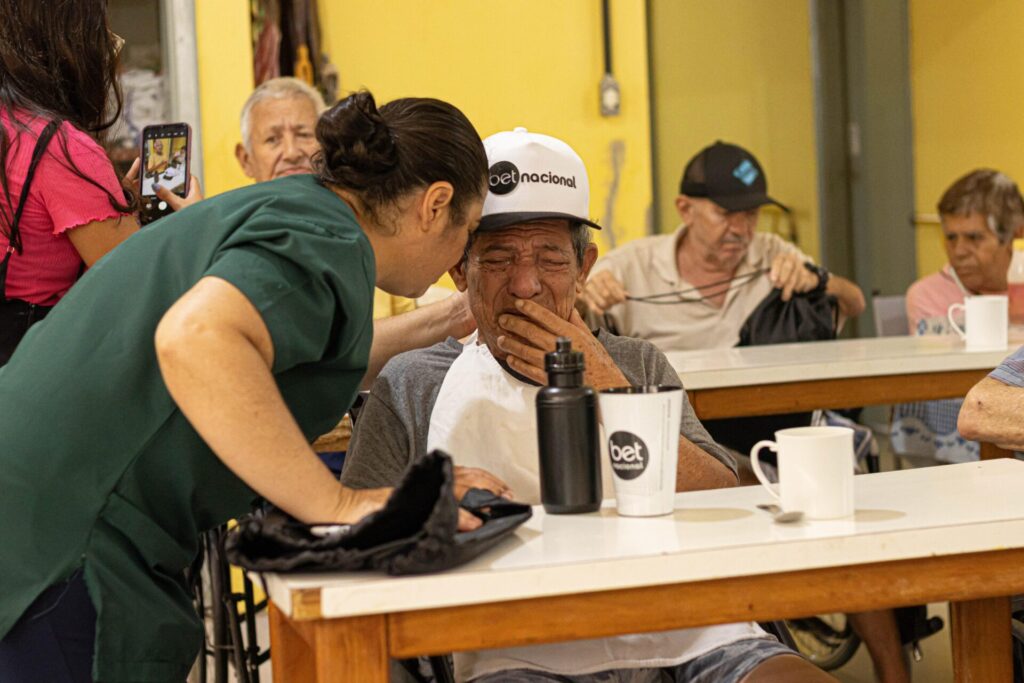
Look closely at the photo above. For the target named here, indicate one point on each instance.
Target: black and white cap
(531, 177)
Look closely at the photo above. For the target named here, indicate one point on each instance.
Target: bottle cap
(563, 358)
(1018, 244)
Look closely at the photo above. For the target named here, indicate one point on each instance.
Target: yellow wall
(967, 71)
(224, 47)
(535, 63)
(740, 71)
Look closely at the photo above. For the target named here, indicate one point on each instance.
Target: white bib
(484, 417)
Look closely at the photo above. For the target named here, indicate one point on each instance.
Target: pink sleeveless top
(58, 201)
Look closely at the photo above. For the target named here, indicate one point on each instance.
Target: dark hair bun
(356, 144)
(384, 154)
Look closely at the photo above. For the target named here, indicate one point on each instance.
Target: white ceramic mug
(815, 470)
(641, 424)
(986, 319)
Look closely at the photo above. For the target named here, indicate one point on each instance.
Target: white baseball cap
(533, 176)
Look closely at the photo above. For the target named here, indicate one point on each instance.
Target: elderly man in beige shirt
(717, 269)
(720, 268)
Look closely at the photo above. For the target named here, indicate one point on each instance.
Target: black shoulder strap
(14, 239)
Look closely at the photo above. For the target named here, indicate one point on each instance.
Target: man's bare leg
(881, 636)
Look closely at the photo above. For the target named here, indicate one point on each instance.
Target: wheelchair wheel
(827, 640)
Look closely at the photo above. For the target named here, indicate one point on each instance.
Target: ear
(589, 257)
(458, 273)
(244, 160)
(435, 205)
(684, 207)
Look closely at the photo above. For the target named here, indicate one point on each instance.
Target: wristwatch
(822, 274)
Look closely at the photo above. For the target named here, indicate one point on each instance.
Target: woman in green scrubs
(186, 374)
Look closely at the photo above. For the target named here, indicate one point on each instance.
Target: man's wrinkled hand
(789, 274)
(534, 335)
(602, 291)
(467, 478)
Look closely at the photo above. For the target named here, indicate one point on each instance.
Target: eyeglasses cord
(678, 298)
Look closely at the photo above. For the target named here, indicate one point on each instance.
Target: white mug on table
(815, 470)
(986, 319)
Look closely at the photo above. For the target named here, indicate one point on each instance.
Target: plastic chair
(890, 316)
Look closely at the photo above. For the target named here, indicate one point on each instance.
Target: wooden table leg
(990, 451)
(291, 657)
(982, 649)
(350, 650)
(328, 650)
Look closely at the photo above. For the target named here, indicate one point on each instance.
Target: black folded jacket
(414, 533)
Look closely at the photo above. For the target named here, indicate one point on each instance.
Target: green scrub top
(98, 467)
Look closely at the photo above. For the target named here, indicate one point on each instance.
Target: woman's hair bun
(356, 144)
(384, 154)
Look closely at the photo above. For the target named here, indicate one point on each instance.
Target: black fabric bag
(811, 316)
(414, 533)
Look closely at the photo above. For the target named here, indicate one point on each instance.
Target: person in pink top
(981, 213)
(62, 206)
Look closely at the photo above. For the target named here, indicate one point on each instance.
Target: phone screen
(165, 161)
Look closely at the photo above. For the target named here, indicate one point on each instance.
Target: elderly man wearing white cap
(522, 270)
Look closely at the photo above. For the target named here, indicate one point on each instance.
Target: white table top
(954, 509)
(842, 358)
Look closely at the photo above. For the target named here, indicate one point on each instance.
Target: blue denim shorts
(725, 664)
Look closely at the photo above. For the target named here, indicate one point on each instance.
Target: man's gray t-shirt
(391, 430)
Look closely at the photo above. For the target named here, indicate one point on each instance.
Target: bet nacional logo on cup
(629, 455)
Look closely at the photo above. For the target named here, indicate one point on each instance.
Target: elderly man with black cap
(720, 269)
(476, 400)
(715, 260)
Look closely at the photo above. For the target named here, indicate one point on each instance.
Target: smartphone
(166, 161)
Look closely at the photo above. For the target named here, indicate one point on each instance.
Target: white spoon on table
(780, 516)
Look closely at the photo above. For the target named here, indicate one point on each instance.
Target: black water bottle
(567, 436)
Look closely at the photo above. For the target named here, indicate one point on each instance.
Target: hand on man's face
(534, 334)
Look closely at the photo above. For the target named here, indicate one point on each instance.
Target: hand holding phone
(166, 162)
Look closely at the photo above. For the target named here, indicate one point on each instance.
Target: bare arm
(93, 240)
(698, 470)
(847, 294)
(994, 412)
(216, 355)
(417, 329)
